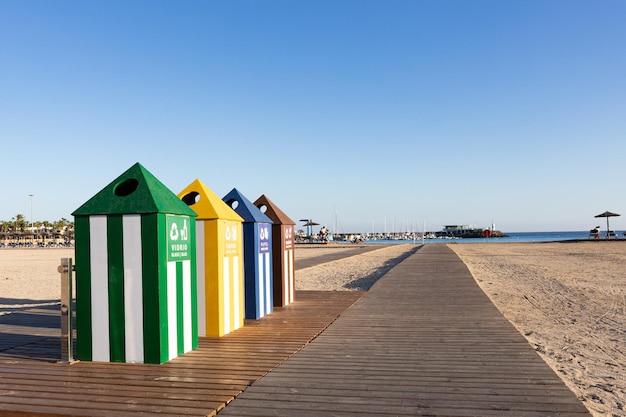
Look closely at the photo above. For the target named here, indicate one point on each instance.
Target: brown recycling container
(282, 252)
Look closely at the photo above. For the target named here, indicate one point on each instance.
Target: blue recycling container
(257, 255)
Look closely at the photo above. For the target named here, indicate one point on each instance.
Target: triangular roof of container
(272, 211)
(136, 191)
(248, 211)
(206, 203)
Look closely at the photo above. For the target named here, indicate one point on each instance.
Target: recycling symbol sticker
(174, 232)
(288, 237)
(178, 245)
(230, 239)
(264, 238)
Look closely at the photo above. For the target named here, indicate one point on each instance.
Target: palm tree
(4, 230)
(17, 229)
(20, 223)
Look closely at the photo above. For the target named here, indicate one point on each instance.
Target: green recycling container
(136, 299)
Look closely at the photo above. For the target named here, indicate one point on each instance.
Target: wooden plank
(425, 340)
(199, 383)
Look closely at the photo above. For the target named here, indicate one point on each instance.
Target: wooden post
(65, 269)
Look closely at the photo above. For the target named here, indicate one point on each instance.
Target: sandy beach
(354, 273)
(29, 277)
(567, 299)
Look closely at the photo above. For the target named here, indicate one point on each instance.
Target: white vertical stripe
(172, 329)
(200, 273)
(187, 305)
(99, 289)
(226, 294)
(133, 288)
(261, 282)
(268, 288)
(236, 294)
(290, 278)
(285, 292)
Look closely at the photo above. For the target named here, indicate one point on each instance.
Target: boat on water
(448, 232)
(469, 231)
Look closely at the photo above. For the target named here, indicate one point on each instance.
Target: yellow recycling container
(219, 261)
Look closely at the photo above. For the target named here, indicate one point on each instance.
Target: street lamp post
(32, 224)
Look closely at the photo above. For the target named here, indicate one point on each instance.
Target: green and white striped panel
(136, 314)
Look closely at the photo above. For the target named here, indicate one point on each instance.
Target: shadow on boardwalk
(424, 341)
(365, 283)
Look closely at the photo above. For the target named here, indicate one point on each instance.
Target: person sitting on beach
(324, 234)
(595, 232)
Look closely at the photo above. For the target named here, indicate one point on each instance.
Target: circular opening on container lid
(126, 187)
(233, 203)
(263, 208)
(191, 198)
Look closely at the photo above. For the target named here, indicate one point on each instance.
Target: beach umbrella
(607, 214)
(308, 223)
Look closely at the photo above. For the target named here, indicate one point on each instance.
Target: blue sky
(356, 113)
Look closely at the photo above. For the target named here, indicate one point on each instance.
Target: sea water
(511, 237)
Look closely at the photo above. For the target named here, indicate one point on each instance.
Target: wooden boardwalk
(199, 383)
(424, 341)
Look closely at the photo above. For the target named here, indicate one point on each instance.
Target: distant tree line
(19, 223)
